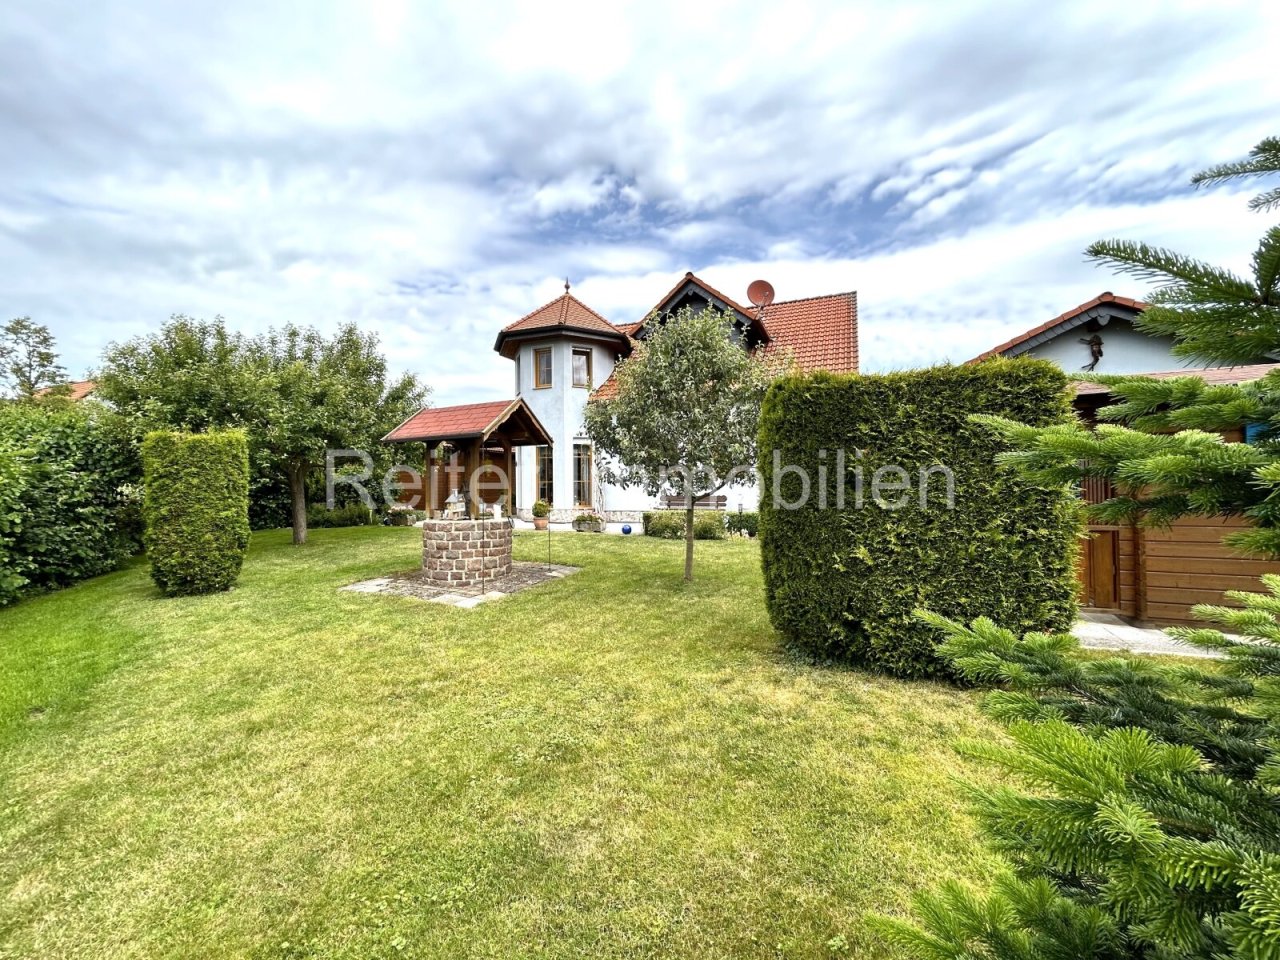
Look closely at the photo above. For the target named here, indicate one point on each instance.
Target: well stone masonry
(465, 553)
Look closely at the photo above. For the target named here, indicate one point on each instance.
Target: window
(582, 474)
(542, 367)
(546, 491)
(582, 368)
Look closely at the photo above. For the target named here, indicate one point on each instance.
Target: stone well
(465, 553)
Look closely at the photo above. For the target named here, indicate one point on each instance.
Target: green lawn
(612, 765)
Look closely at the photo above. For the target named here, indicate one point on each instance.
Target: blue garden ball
(626, 528)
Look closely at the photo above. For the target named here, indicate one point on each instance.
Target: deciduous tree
(685, 416)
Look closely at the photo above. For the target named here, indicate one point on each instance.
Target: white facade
(1125, 349)
(559, 406)
(1107, 325)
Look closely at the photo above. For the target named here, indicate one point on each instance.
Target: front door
(1099, 569)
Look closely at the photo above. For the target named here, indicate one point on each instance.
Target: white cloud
(433, 172)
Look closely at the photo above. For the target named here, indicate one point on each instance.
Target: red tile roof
(609, 389)
(565, 312)
(439, 423)
(79, 389)
(1213, 375)
(821, 333)
(1104, 297)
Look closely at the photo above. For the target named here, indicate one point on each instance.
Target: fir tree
(1148, 821)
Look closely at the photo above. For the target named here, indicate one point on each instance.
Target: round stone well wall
(465, 553)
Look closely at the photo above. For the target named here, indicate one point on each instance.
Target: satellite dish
(760, 293)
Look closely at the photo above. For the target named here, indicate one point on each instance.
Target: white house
(563, 354)
(1097, 336)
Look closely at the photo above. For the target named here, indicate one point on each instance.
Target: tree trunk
(688, 539)
(298, 497)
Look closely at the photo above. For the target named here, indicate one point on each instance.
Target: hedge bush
(842, 582)
(197, 509)
(669, 524)
(747, 524)
(351, 515)
(68, 507)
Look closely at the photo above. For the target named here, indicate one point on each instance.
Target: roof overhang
(508, 341)
(1101, 309)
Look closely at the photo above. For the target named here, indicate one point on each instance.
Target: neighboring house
(1148, 575)
(79, 389)
(564, 353)
(1098, 335)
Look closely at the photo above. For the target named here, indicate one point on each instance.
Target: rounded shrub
(669, 524)
(196, 507)
(845, 571)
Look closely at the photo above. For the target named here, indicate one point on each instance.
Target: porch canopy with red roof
(480, 439)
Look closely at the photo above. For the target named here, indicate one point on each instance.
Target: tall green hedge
(843, 582)
(196, 506)
(68, 494)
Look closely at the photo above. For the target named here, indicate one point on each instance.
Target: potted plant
(541, 510)
(588, 523)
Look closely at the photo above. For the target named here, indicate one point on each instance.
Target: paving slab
(415, 585)
(1105, 632)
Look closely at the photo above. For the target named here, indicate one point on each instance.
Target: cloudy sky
(434, 175)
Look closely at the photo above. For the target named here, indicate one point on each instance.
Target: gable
(696, 294)
(1093, 314)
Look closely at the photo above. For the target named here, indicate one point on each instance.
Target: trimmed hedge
(747, 524)
(68, 495)
(669, 524)
(196, 506)
(842, 582)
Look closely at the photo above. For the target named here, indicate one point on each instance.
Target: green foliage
(68, 505)
(686, 412)
(670, 524)
(12, 563)
(745, 523)
(28, 360)
(350, 515)
(842, 581)
(541, 509)
(196, 507)
(293, 391)
(1147, 818)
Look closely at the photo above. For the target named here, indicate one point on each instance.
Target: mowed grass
(613, 765)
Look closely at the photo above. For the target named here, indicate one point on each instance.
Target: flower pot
(540, 523)
(588, 526)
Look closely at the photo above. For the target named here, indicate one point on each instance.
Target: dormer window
(542, 368)
(582, 368)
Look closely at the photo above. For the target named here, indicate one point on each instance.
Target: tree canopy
(28, 360)
(686, 413)
(295, 392)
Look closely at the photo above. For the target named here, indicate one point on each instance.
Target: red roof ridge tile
(819, 296)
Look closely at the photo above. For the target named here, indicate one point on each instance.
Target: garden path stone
(414, 585)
